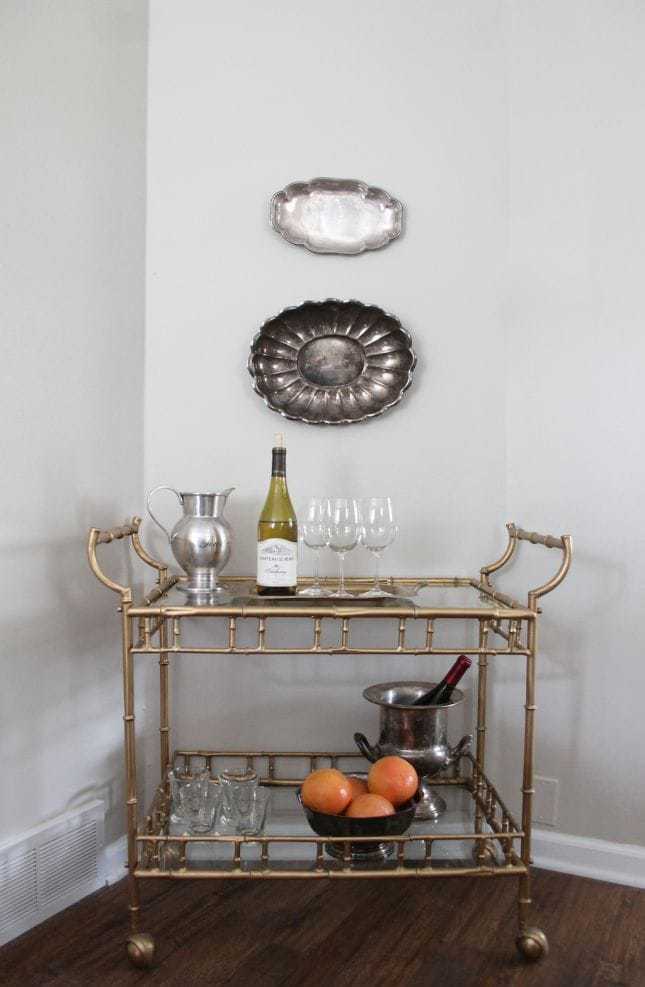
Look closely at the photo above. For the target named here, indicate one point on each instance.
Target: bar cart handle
(98, 537)
(515, 535)
(366, 749)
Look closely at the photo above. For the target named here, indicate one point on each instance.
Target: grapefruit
(326, 790)
(393, 778)
(358, 786)
(369, 807)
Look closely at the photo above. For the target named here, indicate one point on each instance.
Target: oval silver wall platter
(331, 362)
(336, 215)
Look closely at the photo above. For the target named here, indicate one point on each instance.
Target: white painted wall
(576, 354)
(72, 168)
(513, 132)
(513, 135)
(242, 100)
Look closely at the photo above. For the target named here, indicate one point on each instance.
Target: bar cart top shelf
(414, 597)
(409, 597)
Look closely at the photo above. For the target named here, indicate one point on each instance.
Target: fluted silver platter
(336, 215)
(331, 362)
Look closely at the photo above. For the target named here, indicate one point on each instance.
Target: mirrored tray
(336, 215)
(356, 599)
(331, 362)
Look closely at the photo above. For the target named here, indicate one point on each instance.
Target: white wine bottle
(278, 532)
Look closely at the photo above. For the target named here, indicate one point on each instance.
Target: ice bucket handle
(459, 750)
(366, 749)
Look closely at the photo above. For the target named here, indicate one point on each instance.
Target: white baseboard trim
(618, 863)
(115, 860)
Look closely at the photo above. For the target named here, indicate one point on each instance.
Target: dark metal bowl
(331, 362)
(380, 827)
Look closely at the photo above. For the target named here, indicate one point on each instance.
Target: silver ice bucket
(417, 733)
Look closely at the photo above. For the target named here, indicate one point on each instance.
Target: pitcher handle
(366, 749)
(149, 497)
(459, 750)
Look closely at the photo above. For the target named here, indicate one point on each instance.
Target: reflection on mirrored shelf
(416, 594)
(285, 818)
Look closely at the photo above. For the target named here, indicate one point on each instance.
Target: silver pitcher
(417, 733)
(201, 539)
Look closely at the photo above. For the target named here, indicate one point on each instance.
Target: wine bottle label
(277, 562)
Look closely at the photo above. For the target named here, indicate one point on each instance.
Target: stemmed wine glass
(314, 534)
(377, 532)
(342, 534)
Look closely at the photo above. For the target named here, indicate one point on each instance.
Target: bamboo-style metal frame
(153, 627)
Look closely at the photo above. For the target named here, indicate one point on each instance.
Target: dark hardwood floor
(447, 933)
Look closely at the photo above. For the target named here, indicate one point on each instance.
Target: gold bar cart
(498, 844)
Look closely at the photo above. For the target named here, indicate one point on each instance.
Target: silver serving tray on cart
(331, 362)
(336, 215)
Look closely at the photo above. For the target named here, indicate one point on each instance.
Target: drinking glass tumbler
(251, 823)
(194, 801)
(238, 792)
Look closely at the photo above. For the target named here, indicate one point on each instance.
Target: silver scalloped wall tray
(331, 362)
(336, 215)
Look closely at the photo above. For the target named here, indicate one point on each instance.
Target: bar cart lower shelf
(478, 835)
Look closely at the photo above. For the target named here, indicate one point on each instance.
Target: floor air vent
(49, 868)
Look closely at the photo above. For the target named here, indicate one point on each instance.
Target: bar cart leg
(139, 945)
(531, 941)
(164, 709)
(483, 850)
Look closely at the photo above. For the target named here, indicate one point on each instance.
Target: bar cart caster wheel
(532, 944)
(483, 853)
(140, 948)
